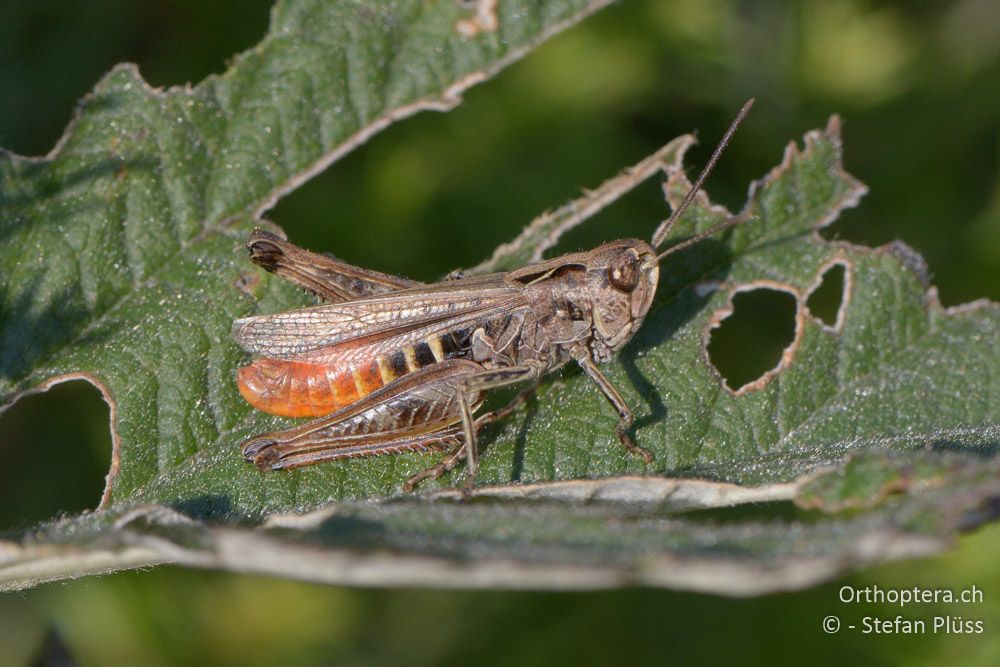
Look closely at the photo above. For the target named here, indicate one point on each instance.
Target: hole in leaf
(750, 341)
(827, 299)
(55, 450)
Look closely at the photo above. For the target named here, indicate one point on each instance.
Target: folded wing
(377, 325)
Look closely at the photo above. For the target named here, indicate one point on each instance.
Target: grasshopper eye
(624, 276)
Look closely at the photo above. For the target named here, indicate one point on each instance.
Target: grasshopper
(391, 365)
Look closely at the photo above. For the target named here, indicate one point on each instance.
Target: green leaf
(874, 438)
(122, 260)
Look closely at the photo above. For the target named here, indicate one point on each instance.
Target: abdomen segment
(304, 389)
(297, 388)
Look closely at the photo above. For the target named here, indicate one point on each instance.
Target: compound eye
(624, 276)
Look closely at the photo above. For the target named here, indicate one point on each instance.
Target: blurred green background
(918, 87)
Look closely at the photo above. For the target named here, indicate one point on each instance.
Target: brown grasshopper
(391, 365)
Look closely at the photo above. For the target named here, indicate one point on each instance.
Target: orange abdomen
(304, 389)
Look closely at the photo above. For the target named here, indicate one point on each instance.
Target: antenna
(664, 230)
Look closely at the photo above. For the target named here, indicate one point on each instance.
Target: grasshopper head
(621, 280)
(621, 276)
